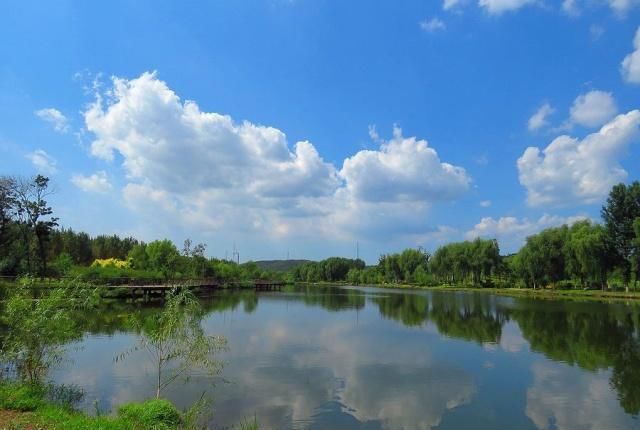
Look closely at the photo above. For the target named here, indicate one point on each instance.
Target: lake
(368, 358)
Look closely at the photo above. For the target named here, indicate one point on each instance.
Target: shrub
(63, 263)
(152, 413)
(111, 262)
(21, 397)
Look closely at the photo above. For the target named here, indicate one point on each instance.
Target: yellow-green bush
(111, 262)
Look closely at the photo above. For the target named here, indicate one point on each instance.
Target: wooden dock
(200, 287)
(268, 285)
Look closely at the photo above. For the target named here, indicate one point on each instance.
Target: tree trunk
(159, 379)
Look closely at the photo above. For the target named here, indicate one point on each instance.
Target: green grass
(32, 409)
(21, 398)
(37, 411)
(247, 424)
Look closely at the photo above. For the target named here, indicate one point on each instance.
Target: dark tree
(35, 215)
(7, 207)
(619, 214)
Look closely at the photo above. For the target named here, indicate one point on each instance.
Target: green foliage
(31, 396)
(586, 253)
(138, 256)
(461, 262)
(249, 424)
(619, 215)
(401, 267)
(332, 269)
(279, 265)
(21, 397)
(163, 256)
(157, 413)
(26, 224)
(39, 323)
(635, 257)
(115, 276)
(176, 341)
(565, 256)
(410, 309)
(63, 263)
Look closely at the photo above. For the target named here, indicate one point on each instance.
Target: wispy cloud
(95, 183)
(539, 118)
(55, 118)
(433, 25)
(42, 161)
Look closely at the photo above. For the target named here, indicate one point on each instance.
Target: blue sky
(303, 127)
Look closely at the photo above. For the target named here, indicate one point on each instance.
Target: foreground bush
(38, 409)
(156, 412)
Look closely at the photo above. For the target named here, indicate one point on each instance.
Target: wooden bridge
(150, 289)
(200, 287)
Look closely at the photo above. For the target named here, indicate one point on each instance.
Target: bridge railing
(130, 280)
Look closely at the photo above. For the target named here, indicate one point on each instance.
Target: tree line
(585, 254)
(473, 262)
(33, 243)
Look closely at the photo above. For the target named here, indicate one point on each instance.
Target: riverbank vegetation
(32, 243)
(585, 255)
(42, 406)
(38, 325)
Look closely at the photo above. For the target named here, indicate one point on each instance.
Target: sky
(311, 128)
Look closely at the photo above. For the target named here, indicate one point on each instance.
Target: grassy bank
(34, 407)
(544, 293)
(31, 407)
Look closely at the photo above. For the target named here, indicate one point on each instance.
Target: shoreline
(593, 295)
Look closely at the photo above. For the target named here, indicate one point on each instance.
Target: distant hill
(280, 265)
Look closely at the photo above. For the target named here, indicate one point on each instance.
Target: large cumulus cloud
(210, 170)
(578, 171)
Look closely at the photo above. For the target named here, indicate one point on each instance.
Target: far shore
(542, 293)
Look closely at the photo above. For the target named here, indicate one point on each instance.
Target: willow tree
(38, 325)
(587, 254)
(176, 342)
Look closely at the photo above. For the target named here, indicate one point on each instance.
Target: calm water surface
(365, 358)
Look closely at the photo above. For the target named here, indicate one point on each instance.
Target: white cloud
(511, 338)
(391, 396)
(539, 119)
(204, 168)
(403, 169)
(485, 203)
(55, 118)
(95, 183)
(570, 7)
(621, 7)
(571, 170)
(498, 7)
(42, 161)
(631, 63)
(432, 25)
(511, 232)
(451, 4)
(573, 399)
(175, 146)
(593, 109)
